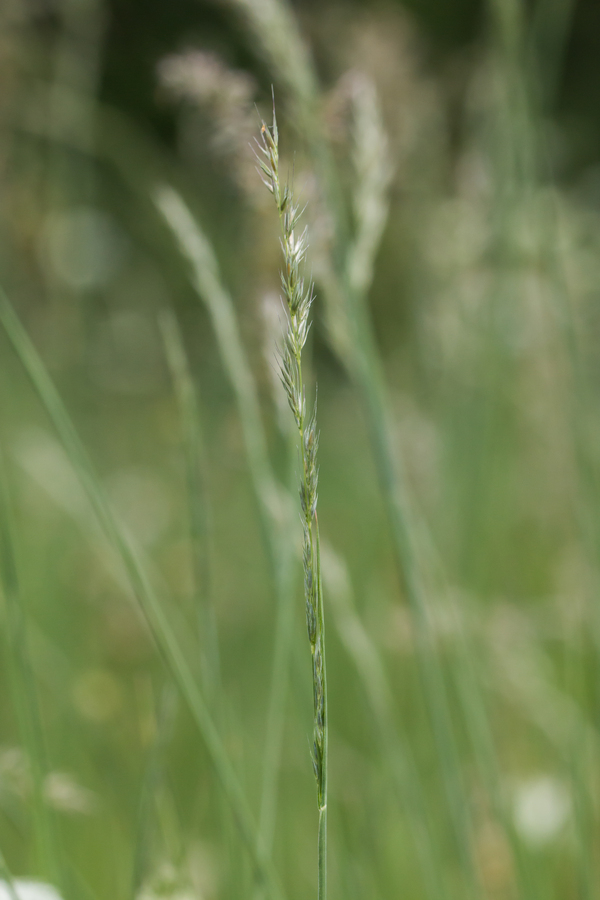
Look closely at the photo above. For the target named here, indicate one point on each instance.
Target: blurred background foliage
(485, 306)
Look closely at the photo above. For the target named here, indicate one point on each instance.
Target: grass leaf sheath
(299, 295)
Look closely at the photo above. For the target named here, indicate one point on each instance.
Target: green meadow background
(156, 708)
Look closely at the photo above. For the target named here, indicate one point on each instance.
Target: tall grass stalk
(360, 356)
(347, 281)
(299, 296)
(145, 594)
(273, 502)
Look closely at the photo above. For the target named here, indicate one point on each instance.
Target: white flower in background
(28, 890)
(541, 809)
(63, 792)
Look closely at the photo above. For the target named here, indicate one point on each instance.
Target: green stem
(322, 840)
(322, 894)
(298, 313)
(315, 549)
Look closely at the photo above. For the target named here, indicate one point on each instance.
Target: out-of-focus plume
(204, 84)
(373, 175)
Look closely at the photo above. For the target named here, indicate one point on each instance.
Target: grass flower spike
(298, 293)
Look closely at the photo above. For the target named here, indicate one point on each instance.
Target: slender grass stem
(200, 526)
(360, 357)
(299, 296)
(322, 841)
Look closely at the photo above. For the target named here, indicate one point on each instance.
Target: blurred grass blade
(392, 483)
(24, 689)
(7, 876)
(151, 608)
(272, 24)
(273, 502)
(373, 171)
(274, 32)
(153, 773)
(206, 281)
(405, 774)
(200, 528)
(551, 27)
(197, 491)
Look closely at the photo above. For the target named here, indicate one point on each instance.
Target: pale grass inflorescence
(298, 292)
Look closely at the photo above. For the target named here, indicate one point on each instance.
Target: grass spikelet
(373, 175)
(298, 293)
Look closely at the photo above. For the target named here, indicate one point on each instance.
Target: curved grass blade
(149, 603)
(273, 502)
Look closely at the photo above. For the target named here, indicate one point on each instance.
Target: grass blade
(200, 526)
(273, 503)
(150, 606)
(405, 775)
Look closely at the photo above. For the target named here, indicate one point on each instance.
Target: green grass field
(156, 717)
